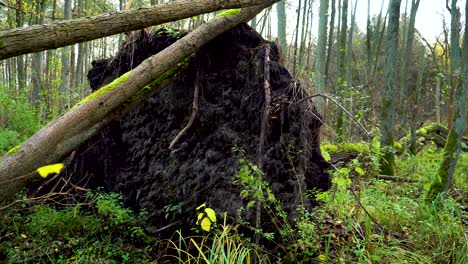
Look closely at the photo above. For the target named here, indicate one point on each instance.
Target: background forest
(393, 106)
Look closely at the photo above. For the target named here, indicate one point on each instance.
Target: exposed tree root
(192, 117)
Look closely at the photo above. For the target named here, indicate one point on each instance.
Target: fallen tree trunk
(433, 132)
(58, 139)
(42, 37)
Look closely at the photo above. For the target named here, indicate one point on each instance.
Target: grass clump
(98, 231)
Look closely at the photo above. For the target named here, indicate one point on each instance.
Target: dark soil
(131, 156)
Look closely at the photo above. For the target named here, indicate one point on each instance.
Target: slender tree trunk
(321, 53)
(65, 71)
(407, 93)
(58, 139)
(330, 43)
(37, 61)
(341, 68)
(452, 149)
(296, 43)
(437, 99)
(410, 106)
(20, 59)
(414, 102)
(64, 33)
(281, 9)
(349, 60)
(387, 162)
(80, 55)
(455, 26)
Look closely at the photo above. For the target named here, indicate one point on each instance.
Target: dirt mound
(132, 157)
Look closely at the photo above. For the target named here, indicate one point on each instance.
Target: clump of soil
(131, 156)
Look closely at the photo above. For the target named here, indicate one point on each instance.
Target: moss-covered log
(58, 139)
(433, 133)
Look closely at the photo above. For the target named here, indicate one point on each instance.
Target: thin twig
(340, 106)
(192, 117)
(363, 208)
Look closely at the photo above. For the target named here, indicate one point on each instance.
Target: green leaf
(321, 196)
(427, 186)
(326, 155)
(244, 194)
(359, 170)
(50, 169)
(250, 204)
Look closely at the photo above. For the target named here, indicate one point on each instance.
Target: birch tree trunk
(60, 137)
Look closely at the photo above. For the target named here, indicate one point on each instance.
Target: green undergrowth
(361, 219)
(18, 121)
(398, 227)
(99, 230)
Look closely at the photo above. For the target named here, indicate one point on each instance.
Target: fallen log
(60, 137)
(50, 36)
(433, 133)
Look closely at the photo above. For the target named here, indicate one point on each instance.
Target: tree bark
(281, 7)
(41, 37)
(321, 53)
(387, 162)
(60, 137)
(341, 68)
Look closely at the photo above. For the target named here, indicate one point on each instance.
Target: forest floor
(362, 219)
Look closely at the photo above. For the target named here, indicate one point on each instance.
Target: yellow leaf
(322, 257)
(199, 217)
(206, 224)
(50, 169)
(211, 214)
(23, 236)
(201, 206)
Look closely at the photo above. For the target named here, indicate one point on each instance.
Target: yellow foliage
(50, 169)
(205, 224)
(211, 214)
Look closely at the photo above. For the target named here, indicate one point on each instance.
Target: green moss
(398, 146)
(103, 90)
(169, 74)
(227, 13)
(14, 150)
(345, 147)
(441, 179)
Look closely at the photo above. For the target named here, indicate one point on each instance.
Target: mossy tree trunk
(50, 36)
(63, 135)
(452, 148)
(387, 161)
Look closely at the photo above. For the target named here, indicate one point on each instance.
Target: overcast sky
(428, 18)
